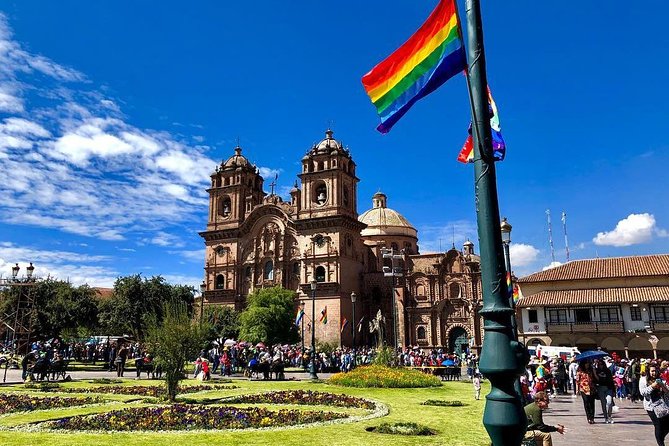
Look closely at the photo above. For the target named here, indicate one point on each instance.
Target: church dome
(381, 220)
(236, 160)
(328, 146)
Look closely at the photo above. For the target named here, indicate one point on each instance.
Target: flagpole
(502, 356)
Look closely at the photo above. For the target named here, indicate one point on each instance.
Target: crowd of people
(599, 380)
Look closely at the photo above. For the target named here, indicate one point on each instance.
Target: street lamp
(302, 320)
(15, 271)
(354, 297)
(203, 288)
(312, 373)
(395, 272)
(505, 228)
(29, 271)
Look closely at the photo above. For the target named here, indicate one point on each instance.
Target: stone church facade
(254, 240)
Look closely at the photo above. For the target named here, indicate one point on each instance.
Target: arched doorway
(458, 340)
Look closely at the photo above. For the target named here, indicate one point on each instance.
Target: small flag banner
(516, 294)
(324, 315)
(430, 57)
(299, 316)
(344, 323)
(360, 324)
(498, 145)
(508, 282)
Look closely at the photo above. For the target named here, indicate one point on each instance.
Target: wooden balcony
(587, 327)
(659, 325)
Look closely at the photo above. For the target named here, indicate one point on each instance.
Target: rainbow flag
(324, 315)
(299, 316)
(516, 294)
(498, 145)
(430, 57)
(344, 323)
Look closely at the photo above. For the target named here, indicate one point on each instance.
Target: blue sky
(113, 115)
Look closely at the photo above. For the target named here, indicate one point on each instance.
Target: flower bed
(189, 417)
(307, 397)
(21, 403)
(382, 376)
(154, 391)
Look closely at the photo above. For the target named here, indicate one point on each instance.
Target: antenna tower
(564, 227)
(550, 234)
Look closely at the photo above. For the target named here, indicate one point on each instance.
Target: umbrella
(590, 355)
(260, 345)
(229, 342)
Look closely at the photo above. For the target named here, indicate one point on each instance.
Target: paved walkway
(14, 375)
(631, 424)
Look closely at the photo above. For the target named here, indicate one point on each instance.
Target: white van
(553, 351)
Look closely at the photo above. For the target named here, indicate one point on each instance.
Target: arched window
(454, 290)
(407, 248)
(320, 274)
(420, 290)
(296, 268)
(220, 282)
(226, 207)
(268, 272)
(248, 272)
(394, 246)
(420, 333)
(321, 195)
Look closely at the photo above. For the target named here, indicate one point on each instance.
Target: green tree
(269, 317)
(175, 341)
(223, 320)
(138, 301)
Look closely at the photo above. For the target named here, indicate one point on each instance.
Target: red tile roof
(636, 266)
(596, 296)
(103, 293)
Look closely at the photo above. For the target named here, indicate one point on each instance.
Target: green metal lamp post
(354, 298)
(302, 337)
(203, 288)
(505, 228)
(503, 359)
(312, 372)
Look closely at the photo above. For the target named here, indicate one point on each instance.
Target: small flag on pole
(299, 316)
(344, 323)
(516, 294)
(360, 324)
(324, 315)
(498, 145)
(430, 57)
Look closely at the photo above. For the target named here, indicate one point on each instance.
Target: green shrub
(385, 357)
(444, 403)
(404, 429)
(382, 376)
(105, 381)
(43, 386)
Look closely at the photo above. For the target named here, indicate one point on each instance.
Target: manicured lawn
(454, 425)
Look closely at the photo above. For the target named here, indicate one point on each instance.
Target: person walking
(586, 388)
(537, 430)
(605, 388)
(655, 394)
(573, 368)
(476, 380)
(121, 357)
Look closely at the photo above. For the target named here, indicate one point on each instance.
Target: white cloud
(71, 162)
(441, 238)
(633, 230)
(75, 267)
(551, 265)
(522, 255)
(195, 255)
(268, 173)
(164, 239)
